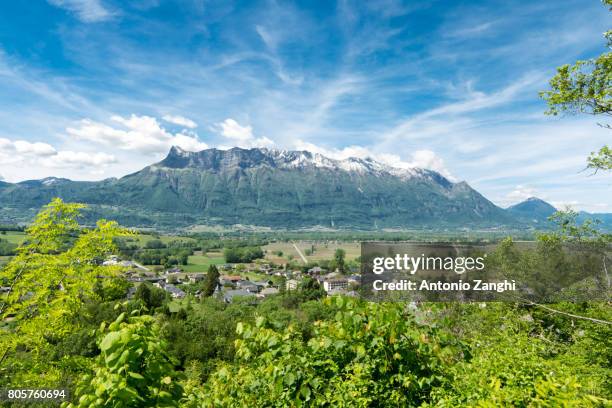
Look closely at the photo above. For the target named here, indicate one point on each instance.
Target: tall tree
(585, 87)
(339, 256)
(53, 274)
(212, 280)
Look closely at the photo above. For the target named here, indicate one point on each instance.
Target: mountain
(533, 209)
(275, 188)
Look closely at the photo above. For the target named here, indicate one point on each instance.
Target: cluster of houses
(335, 283)
(233, 286)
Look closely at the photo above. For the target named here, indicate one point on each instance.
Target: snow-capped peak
(216, 159)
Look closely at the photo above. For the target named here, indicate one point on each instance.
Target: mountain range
(273, 188)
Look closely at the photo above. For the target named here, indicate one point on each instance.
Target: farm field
(4, 260)
(14, 237)
(144, 238)
(200, 263)
(322, 250)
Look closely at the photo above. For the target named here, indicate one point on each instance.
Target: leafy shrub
(133, 369)
(368, 355)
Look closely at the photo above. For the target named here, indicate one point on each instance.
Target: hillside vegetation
(65, 326)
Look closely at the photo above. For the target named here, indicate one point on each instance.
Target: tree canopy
(585, 87)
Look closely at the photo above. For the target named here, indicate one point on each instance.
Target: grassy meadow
(323, 250)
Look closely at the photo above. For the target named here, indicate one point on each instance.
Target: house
(174, 277)
(112, 260)
(334, 284)
(292, 284)
(262, 284)
(354, 280)
(232, 278)
(175, 292)
(268, 292)
(317, 270)
(173, 270)
(196, 277)
(228, 296)
(248, 286)
(154, 279)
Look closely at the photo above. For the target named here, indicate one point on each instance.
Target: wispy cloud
(451, 87)
(180, 120)
(88, 11)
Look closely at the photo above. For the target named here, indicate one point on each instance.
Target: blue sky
(98, 88)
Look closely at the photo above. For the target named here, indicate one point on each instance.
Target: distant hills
(274, 188)
(533, 210)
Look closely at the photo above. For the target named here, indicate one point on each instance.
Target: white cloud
(88, 11)
(25, 148)
(427, 159)
(143, 134)
(70, 159)
(521, 193)
(180, 120)
(233, 130)
(36, 149)
(241, 136)
(24, 153)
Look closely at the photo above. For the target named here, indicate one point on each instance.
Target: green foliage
(151, 296)
(205, 334)
(585, 87)
(53, 275)
(155, 244)
(211, 282)
(305, 351)
(600, 160)
(162, 256)
(369, 354)
(133, 369)
(338, 261)
(568, 230)
(242, 254)
(518, 360)
(7, 248)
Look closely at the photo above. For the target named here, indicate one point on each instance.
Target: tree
(53, 275)
(585, 87)
(155, 244)
(212, 281)
(151, 296)
(339, 256)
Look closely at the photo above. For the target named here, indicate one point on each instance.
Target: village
(255, 280)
